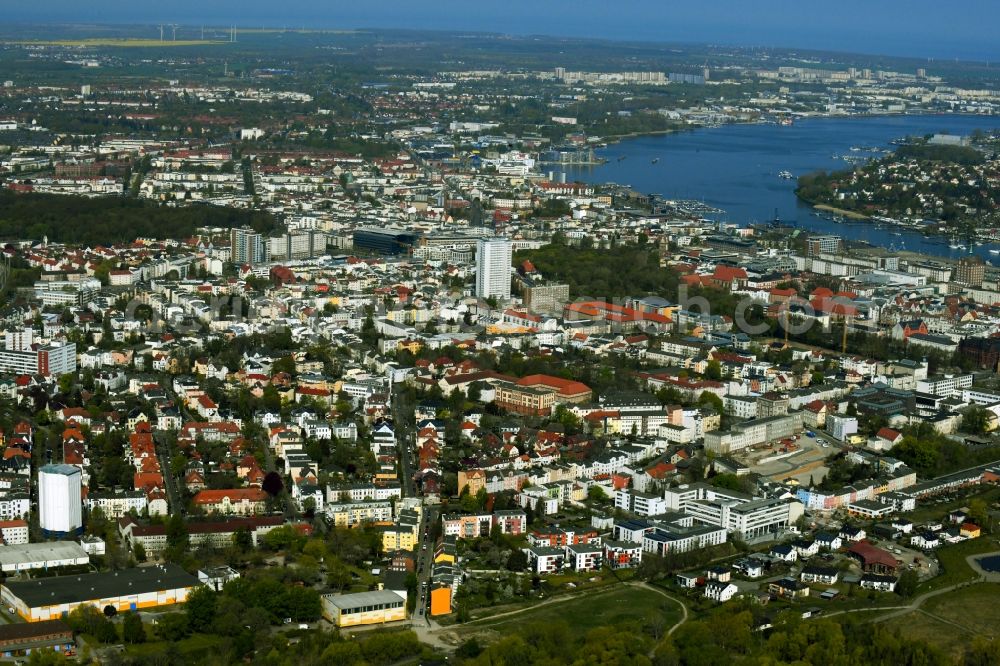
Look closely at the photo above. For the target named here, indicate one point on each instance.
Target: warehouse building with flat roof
(350, 610)
(44, 555)
(129, 589)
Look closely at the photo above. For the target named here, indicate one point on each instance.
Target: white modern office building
(493, 263)
(60, 507)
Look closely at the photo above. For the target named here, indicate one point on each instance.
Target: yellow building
(403, 534)
(710, 421)
(398, 537)
(129, 589)
(970, 531)
(385, 474)
(473, 478)
(446, 551)
(440, 600)
(352, 514)
(353, 610)
(412, 346)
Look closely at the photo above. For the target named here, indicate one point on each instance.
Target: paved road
(404, 425)
(425, 565)
(405, 428)
(270, 465)
(164, 451)
(918, 601)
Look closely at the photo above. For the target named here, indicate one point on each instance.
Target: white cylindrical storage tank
(60, 506)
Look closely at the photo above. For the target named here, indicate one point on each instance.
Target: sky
(923, 28)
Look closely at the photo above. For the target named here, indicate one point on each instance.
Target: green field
(631, 606)
(954, 568)
(974, 607)
(198, 649)
(918, 626)
(952, 620)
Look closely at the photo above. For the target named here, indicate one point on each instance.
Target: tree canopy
(625, 270)
(108, 220)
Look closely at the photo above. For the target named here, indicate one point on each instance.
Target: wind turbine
(161, 32)
(174, 26)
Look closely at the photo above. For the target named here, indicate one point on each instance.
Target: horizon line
(302, 29)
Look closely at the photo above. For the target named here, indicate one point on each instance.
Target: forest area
(624, 270)
(108, 220)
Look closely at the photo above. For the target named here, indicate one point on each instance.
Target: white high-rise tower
(493, 259)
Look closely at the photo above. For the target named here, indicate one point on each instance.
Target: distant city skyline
(918, 28)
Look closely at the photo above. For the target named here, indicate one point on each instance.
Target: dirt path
(802, 469)
(447, 638)
(661, 592)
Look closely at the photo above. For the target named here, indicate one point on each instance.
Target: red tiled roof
(872, 555)
(566, 387)
(888, 434)
(234, 495)
(729, 273)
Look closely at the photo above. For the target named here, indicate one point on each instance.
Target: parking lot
(805, 463)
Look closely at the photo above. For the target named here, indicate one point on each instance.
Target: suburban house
(829, 541)
(805, 548)
(720, 591)
(788, 588)
(826, 575)
(970, 530)
(851, 533)
(903, 525)
(688, 580)
(925, 540)
(749, 568)
(878, 582)
(719, 573)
